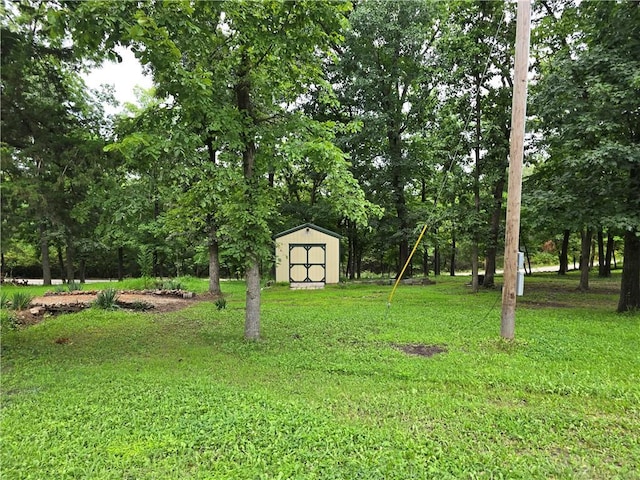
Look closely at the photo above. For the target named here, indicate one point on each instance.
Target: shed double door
(307, 262)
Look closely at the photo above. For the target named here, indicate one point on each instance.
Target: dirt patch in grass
(420, 349)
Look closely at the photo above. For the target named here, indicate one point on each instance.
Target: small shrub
(8, 320)
(140, 306)
(107, 299)
(145, 261)
(169, 285)
(60, 289)
(221, 303)
(74, 286)
(4, 300)
(21, 300)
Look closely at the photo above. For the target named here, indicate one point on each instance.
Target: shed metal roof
(307, 225)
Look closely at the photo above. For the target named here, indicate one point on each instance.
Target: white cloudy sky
(123, 76)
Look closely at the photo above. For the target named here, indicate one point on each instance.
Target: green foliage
(172, 284)
(145, 261)
(7, 320)
(107, 299)
(74, 286)
(221, 303)
(21, 300)
(5, 302)
(140, 306)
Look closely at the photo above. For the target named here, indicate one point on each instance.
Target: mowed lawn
(328, 393)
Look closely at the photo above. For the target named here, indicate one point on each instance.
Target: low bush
(74, 286)
(21, 301)
(221, 303)
(107, 299)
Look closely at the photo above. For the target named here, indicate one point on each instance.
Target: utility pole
(516, 154)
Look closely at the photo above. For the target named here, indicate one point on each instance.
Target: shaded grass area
(327, 393)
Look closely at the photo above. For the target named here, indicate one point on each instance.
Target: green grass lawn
(326, 393)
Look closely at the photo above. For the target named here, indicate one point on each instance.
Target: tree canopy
(369, 118)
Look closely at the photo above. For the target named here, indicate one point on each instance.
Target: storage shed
(307, 256)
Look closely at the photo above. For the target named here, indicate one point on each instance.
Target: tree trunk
(476, 193)
(61, 264)
(82, 270)
(245, 107)
(564, 254)
(630, 285)
(436, 258)
(585, 250)
(474, 265)
(601, 261)
(120, 264)
(70, 253)
(214, 261)
(44, 252)
(398, 186)
(425, 262)
(252, 316)
(452, 268)
(494, 233)
(608, 254)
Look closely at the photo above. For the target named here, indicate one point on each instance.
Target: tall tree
(588, 107)
(386, 77)
(51, 127)
(237, 70)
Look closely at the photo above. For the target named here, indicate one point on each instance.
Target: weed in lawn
(221, 303)
(107, 299)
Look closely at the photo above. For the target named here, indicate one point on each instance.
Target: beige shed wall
(306, 236)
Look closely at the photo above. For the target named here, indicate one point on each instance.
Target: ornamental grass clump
(107, 299)
(21, 301)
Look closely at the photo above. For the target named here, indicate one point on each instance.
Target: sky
(123, 76)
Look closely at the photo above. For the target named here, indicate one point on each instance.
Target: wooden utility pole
(516, 153)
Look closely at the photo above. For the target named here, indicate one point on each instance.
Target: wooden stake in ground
(516, 153)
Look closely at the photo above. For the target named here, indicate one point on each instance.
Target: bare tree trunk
(61, 264)
(252, 315)
(608, 254)
(82, 270)
(452, 268)
(245, 107)
(602, 264)
(476, 193)
(494, 232)
(585, 250)
(70, 259)
(630, 285)
(120, 264)
(214, 261)
(425, 261)
(564, 254)
(44, 252)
